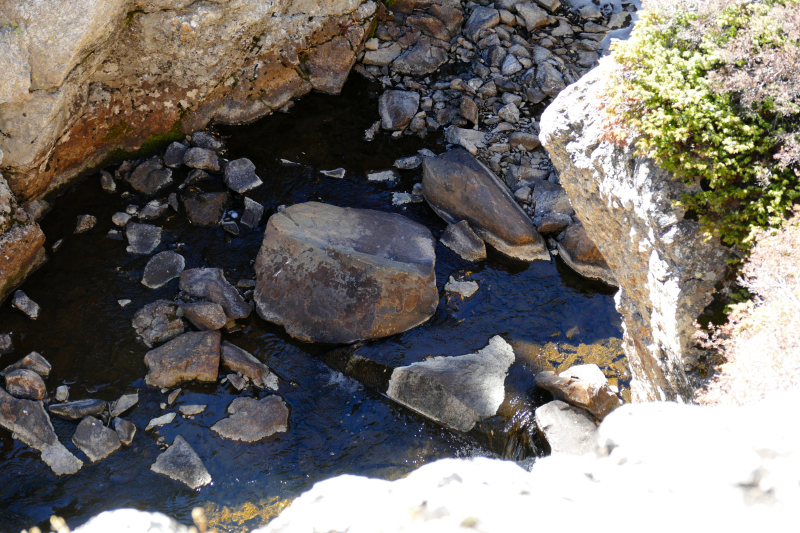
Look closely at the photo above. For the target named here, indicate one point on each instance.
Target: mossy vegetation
(701, 91)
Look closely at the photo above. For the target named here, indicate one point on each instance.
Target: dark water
(552, 317)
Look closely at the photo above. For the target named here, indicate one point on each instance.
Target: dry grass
(761, 342)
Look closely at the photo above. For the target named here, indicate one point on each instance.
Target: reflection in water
(550, 316)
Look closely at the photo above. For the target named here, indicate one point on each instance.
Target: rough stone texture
(566, 429)
(95, 440)
(329, 274)
(125, 402)
(125, 431)
(143, 239)
(455, 391)
(157, 322)
(205, 209)
(253, 211)
(205, 315)
(665, 265)
(237, 360)
(149, 177)
(458, 187)
(397, 108)
(181, 463)
(162, 268)
(201, 158)
(22, 302)
(78, 409)
(192, 356)
(159, 421)
(583, 256)
(422, 58)
(240, 175)
(210, 284)
(594, 396)
(124, 72)
(33, 361)
(192, 410)
(466, 289)
(28, 422)
(21, 241)
(85, 223)
(462, 240)
(251, 420)
(482, 18)
(25, 384)
(173, 157)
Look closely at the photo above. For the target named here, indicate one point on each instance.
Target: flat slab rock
(95, 440)
(456, 391)
(124, 403)
(150, 176)
(210, 284)
(191, 356)
(78, 409)
(237, 360)
(143, 239)
(33, 361)
(251, 420)
(459, 187)
(371, 274)
(28, 423)
(162, 268)
(566, 429)
(181, 463)
(158, 322)
(240, 175)
(205, 315)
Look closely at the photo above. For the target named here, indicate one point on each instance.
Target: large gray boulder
(665, 264)
(459, 187)
(456, 391)
(192, 356)
(331, 274)
(28, 422)
(251, 420)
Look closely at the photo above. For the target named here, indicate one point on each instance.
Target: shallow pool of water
(552, 317)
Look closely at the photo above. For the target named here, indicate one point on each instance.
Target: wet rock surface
(162, 268)
(33, 361)
(126, 431)
(124, 403)
(150, 176)
(566, 429)
(210, 284)
(191, 356)
(240, 176)
(26, 305)
(85, 223)
(391, 256)
(142, 238)
(78, 409)
(25, 384)
(205, 315)
(251, 420)
(181, 463)
(205, 209)
(397, 108)
(158, 322)
(462, 240)
(95, 440)
(237, 360)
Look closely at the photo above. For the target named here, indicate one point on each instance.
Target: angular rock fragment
(107, 182)
(25, 384)
(463, 241)
(535, 17)
(465, 288)
(422, 58)
(192, 356)
(566, 429)
(203, 139)
(125, 431)
(162, 420)
(173, 157)
(26, 305)
(78, 409)
(408, 163)
(28, 422)
(153, 210)
(6, 344)
(237, 360)
(33, 361)
(528, 141)
(237, 381)
(251, 420)
(181, 463)
(62, 393)
(240, 175)
(162, 268)
(210, 284)
(158, 322)
(142, 238)
(481, 19)
(383, 56)
(583, 387)
(383, 175)
(457, 391)
(120, 219)
(150, 176)
(253, 211)
(205, 315)
(371, 274)
(458, 187)
(550, 80)
(554, 223)
(582, 255)
(464, 137)
(124, 403)
(205, 209)
(397, 108)
(85, 223)
(95, 440)
(230, 226)
(201, 158)
(192, 410)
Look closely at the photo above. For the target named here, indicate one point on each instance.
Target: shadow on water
(552, 317)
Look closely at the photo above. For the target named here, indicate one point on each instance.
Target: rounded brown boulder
(338, 275)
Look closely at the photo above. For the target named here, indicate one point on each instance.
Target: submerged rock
(205, 315)
(33, 361)
(26, 305)
(210, 284)
(192, 356)
(240, 175)
(162, 267)
(462, 240)
(25, 384)
(237, 360)
(153, 210)
(371, 274)
(566, 429)
(95, 440)
(158, 322)
(78, 409)
(28, 422)
(125, 430)
(205, 209)
(251, 420)
(125, 402)
(458, 187)
(142, 238)
(457, 391)
(181, 463)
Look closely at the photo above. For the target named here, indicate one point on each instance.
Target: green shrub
(693, 91)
